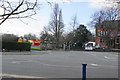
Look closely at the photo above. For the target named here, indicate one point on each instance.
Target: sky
(82, 8)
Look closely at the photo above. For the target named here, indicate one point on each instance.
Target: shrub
(16, 46)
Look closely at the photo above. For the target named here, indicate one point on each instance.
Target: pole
(69, 46)
(84, 71)
(63, 46)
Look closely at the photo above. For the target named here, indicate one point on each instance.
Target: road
(59, 64)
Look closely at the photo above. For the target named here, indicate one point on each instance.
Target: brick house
(108, 34)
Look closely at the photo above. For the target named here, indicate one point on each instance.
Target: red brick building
(108, 34)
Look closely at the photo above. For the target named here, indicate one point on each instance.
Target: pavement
(59, 64)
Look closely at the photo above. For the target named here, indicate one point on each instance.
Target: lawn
(35, 48)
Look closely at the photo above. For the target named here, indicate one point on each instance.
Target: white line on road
(54, 65)
(18, 62)
(15, 62)
(94, 64)
(93, 54)
(19, 76)
(106, 57)
(111, 58)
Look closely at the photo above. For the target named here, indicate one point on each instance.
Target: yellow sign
(20, 40)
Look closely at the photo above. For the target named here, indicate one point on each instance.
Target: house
(108, 34)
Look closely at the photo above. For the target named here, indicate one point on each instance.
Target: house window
(98, 33)
(117, 41)
(111, 34)
(101, 33)
(106, 32)
(101, 41)
(118, 34)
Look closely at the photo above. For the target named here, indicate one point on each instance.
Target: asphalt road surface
(59, 64)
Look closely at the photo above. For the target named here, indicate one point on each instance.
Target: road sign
(66, 44)
(20, 40)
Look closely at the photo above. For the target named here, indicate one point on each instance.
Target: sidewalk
(116, 50)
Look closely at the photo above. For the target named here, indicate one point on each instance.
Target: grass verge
(35, 48)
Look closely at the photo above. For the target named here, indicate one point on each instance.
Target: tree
(105, 14)
(74, 22)
(82, 35)
(30, 36)
(56, 24)
(17, 9)
(46, 36)
(79, 37)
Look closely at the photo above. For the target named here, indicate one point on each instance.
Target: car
(90, 46)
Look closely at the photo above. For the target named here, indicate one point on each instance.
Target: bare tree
(105, 14)
(17, 9)
(46, 36)
(56, 24)
(74, 22)
(30, 36)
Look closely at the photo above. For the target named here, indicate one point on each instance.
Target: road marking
(15, 62)
(106, 57)
(111, 58)
(18, 62)
(19, 76)
(55, 65)
(94, 64)
(93, 54)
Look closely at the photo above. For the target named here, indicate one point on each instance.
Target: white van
(90, 46)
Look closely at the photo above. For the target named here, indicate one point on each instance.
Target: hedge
(16, 46)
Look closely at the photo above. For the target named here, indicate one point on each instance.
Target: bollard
(84, 71)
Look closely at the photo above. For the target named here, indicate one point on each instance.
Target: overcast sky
(83, 8)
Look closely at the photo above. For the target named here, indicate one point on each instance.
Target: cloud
(102, 3)
(92, 3)
(15, 26)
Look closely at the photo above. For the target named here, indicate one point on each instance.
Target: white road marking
(55, 65)
(111, 58)
(94, 64)
(19, 76)
(93, 54)
(15, 62)
(18, 62)
(106, 57)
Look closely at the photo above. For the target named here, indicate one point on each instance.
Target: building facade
(108, 34)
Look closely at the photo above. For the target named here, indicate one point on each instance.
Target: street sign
(20, 40)
(66, 44)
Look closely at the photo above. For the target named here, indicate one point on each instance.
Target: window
(106, 32)
(117, 41)
(111, 34)
(118, 34)
(101, 41)
(101, 33)
(98, 33)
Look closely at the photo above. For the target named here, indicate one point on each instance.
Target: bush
(16, 46)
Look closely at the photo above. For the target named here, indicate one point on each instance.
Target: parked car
(90, 46)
